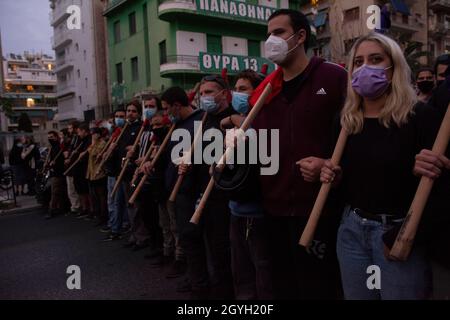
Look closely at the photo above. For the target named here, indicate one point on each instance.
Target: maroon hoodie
(305, 127)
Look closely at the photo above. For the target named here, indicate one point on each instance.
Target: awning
(320, 19)
(401, 7)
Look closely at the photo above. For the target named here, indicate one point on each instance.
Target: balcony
(214, 11)
(405, 24)
(65, 89)
(440, 5)
(61, 39)
(179, 64)
(63, 65)
(439, 30)
(113, 5)
(324, 32)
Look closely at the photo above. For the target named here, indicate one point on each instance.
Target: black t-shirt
(377, 163)
(292, 87)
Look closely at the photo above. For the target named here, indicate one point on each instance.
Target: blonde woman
(376, 178)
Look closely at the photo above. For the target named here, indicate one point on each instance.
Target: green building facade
(155, 44)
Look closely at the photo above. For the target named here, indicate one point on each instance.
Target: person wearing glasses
(212, 233)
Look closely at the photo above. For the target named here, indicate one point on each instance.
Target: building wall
(87, 54)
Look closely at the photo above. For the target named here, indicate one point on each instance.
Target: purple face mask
(370, 82)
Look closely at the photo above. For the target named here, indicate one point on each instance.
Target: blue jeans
(360, 245)
(110, 185)
(120, 209)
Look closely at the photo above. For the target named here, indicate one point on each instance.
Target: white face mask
(277, 48)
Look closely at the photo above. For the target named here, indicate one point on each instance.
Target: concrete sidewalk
(24, 204)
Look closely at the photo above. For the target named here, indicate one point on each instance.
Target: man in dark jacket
(56, 166)
(211, 235)
(307, 94)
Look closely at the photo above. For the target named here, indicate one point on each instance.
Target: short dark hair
(424, 69)
(442, 59)
(75, 124)
(53, 132)
(147, 97)
(175, 94)
(215, 78)
(136, 104)
(298, 22)
(252, 76)
(84, 127)
(118, 110)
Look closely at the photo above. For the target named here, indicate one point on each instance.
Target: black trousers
(147, 207)
(299, 273)
(207, 246)
(250, 258)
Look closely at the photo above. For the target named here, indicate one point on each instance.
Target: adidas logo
(321, 91)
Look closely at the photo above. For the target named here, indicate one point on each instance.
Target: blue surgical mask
(119, 122)
(240, 101)
(19, 145)
(208, 104)
(149, 113)
(173, 119)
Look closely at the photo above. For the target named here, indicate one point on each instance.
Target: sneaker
(112, 237)
(177, 269)
(160, 261)
(81, 215)
(153, 254)
(105, 229)
(129, 245)
(139, 246)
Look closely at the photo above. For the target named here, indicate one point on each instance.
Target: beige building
(439, 26)
(340, 22)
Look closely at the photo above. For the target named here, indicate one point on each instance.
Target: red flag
(276, 80)
(116, 133)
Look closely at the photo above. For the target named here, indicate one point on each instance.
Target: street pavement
(35, 254)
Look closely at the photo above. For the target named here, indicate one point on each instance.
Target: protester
(425, 81)
(306, 96)
(385, 134)
(69, 147)
(58, 182)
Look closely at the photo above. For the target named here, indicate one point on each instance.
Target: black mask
(53, 142)
(425, 86)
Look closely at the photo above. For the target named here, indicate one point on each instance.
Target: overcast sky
(25, 26)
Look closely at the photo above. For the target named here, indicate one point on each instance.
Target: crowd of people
(246, 243)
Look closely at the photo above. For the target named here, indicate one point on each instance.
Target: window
(79, 99)
(214, 43)
(134, 69)
(254, 48)
(132, 23)
(86, 82)
(119, 74)
(84, 55)
(348, 44)
(77, 47)
(351, 15)
(116, 31)
(162, 52)
(78, 73)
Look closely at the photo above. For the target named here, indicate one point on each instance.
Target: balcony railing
(175, 63)
(405, 23)
(439, 5)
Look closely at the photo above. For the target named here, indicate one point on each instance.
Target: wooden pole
(405, 238)
(247, 123)
(152, 165)
(313, 220)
